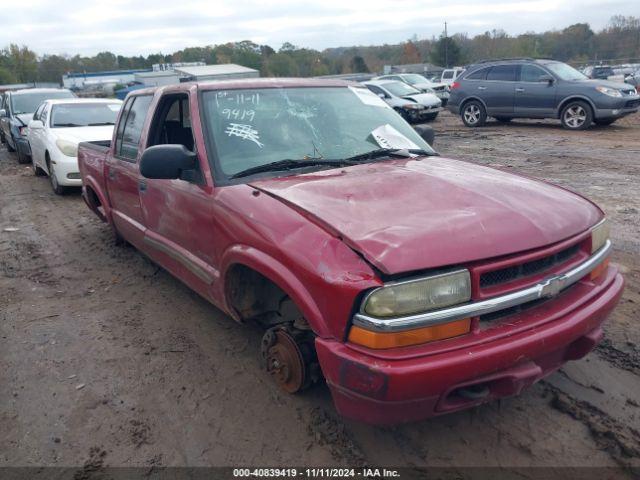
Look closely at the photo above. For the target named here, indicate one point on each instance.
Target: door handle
(520, 90)
(482, 88)
(142, 186)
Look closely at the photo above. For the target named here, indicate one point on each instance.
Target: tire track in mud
(629, 361)
(620, 441)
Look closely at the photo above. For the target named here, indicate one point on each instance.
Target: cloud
(130, 27)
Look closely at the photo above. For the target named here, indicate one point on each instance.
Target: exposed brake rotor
(284, 360)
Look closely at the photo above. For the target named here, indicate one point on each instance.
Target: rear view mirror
(3, 113)
(427, 133)
(167, 162)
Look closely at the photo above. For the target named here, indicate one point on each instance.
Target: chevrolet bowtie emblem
(551, 286)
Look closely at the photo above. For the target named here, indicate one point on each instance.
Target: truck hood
(413, 214)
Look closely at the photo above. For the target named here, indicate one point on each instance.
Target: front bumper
(424, 113)
(618, 108)
(66, 170)
(418, 382)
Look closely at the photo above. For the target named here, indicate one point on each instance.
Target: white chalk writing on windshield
(246, 132)
(237, 98)
(239, 114)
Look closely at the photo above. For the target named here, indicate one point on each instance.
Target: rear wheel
(576, 116)
(604, 121)
(473, 114)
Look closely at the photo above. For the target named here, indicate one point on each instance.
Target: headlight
(23, 131)
(413, 106)
(420, 295)
(70, 149)
(612, 92)
(429, 90)
(599, 235)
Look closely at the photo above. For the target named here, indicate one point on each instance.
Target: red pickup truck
(414, 284)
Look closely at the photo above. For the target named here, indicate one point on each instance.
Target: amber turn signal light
(599, 270)
(381, 340)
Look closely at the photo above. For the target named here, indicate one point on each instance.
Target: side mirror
(382, 95)
(3, 113)
(167, 162)
(546, 79)
(36, 125)
(427, 133)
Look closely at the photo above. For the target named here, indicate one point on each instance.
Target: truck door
(179, 214)
(122, 172)
(535, 96)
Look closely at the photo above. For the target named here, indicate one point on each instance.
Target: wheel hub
(284, 360)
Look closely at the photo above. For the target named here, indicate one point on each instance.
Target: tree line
(578, 44)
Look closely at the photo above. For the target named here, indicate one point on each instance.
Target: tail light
(454, 85)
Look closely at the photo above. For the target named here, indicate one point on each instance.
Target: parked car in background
(528, 88)
(16, 113)
(421, 83)
(633, 79)
(56, 129)
(409, 102)
(416, 285)
(450, 74)
(602, 72)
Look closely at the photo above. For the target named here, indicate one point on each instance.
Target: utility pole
(446, 47)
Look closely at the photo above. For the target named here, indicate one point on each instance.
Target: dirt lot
(107, 360)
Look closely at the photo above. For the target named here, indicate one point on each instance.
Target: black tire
(576, 115)
(55, 186)
(473, 114)
(431, 117)
(604, 121)
(2, 139)
(503, 119)
(37, 171)
(9, 147)
(23, 157)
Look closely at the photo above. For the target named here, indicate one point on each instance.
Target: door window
(502, 73)
(531, 73)
(172, 125)
(480, 74)
(132, 129)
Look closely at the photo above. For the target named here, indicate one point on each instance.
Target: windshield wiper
(101, 124)
(290, 164)
(67, 125)
(388, 152)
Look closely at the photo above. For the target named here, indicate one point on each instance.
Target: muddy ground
(107, 360)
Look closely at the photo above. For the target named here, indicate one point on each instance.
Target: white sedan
(56, 129)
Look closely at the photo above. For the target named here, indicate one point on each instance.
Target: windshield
(84, 114)
(400, 89)
(255, 127)
(565, 72)
(414, 79)
(29, 102)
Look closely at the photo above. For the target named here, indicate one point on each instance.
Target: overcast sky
(133, 27)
